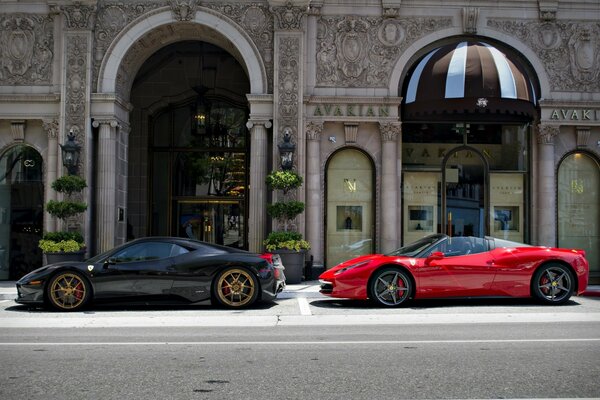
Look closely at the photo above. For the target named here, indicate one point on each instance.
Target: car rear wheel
(553, 284)
(235, 288)
(68, 291)
(390, 287)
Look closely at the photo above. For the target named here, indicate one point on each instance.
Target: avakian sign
(575, 115)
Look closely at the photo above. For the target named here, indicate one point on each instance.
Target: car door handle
(490, 262)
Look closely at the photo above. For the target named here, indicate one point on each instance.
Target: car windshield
(416, 248)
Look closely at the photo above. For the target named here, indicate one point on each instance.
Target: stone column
(106, 171)
(52, 165)
(546, 188)
(257, 192)
(314, 206)
(389, 186)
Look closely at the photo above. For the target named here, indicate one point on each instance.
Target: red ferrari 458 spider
(440, 266)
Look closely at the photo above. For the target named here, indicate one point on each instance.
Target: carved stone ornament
(357, 51)
(390, 131)
(183, 10)
(470, 16)
(289, 17)
(26, 44)
(570, 51)
(583, 136)
(313, 130)
(50, 126)
(79, 16)
(547, 133)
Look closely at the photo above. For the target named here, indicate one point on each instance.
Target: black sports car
(156, 268)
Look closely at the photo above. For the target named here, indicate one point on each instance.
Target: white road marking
(333, 342)
(4, 301)
(304, 306)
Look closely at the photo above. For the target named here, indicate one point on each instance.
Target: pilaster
(314, 206)
(389, 186)
(546, 184)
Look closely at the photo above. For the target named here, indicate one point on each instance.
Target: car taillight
(268, 257)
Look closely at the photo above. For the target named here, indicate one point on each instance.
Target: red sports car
(440, 266)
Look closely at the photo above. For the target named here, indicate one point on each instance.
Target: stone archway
(110, 108)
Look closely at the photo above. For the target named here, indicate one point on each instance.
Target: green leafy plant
(285, 240)
(285, 212)
(54, 242)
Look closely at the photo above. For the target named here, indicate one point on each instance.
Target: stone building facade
(179, 106)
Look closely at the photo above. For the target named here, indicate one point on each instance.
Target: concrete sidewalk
(307, 289)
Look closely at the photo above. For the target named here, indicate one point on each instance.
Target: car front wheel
(235, 288)
(68, 291)
(553, 284)
(390, 287)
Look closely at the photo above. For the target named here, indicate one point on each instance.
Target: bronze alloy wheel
(68, 291)
(236, 288)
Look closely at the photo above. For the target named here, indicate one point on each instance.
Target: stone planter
(52, 258)
(293, 261)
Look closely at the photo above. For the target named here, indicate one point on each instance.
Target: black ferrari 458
(157, 268)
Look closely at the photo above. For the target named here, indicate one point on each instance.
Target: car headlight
(349, 267)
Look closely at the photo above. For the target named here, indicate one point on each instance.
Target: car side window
(148, 251)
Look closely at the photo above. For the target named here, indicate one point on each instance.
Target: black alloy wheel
(390, 287)
(553, 284)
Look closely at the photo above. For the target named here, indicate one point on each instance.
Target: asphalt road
(304, 348)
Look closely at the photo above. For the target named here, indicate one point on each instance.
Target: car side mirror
(436, 255)
(109, 261)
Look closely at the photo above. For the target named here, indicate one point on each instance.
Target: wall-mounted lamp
(70, 153)
(286, 150)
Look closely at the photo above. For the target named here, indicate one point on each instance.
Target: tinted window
(148, 251)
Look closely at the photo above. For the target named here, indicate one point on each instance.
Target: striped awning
(469, 81)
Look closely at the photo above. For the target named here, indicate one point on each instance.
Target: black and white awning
(469, 81)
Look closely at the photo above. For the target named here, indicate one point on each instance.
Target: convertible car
(157, 268)
(440, 266)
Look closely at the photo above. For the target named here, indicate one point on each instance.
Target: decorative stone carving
(583, 136)
(183, 10)
(76, 98)
(289, 72)
(18, 130)
(314, 7)
(390, 131)
(351, 132)
(362, 51)
(548, 9)
(470, 16)
(313, 130)
(547, 133)
(26, 49)
(79, 16)
(570, 51)
(50, 126)
(288, 17)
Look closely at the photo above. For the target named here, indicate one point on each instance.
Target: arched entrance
(467, 113)
(21, 211)
(193, 133)
(578, 210)
(350, 206)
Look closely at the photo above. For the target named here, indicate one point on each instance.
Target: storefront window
(350, 223)
(578, 209)
(485, 177)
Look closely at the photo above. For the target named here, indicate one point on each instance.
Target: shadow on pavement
(438, 303)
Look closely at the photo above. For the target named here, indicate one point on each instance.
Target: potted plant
(287, 243)
(65, 245)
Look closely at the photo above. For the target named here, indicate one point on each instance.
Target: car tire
(235, 288)
(553, 284)
(390, 287)
(68, 291)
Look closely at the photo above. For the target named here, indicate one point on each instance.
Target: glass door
(464, 200)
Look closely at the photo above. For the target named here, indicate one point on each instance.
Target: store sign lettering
(351, 110)
(441, 153)
(575, 115)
